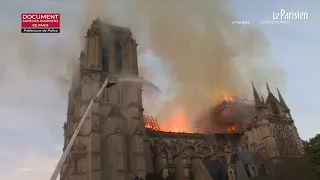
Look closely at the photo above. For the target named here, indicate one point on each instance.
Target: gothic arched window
(118, 96)
(107, 95)
(105, 60)
(121, 96)
(75, 166)
(118, 58)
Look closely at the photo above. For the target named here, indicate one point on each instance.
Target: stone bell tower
(273, 133)
(110, 143)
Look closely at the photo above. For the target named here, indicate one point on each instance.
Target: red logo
(40, 22)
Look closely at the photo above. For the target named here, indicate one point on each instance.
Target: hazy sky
(32, 110)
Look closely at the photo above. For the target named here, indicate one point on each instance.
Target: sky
(32, 110)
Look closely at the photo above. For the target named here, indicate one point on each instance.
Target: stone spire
(282, 102)
(269, 92)
(270, 97)
(257, 99)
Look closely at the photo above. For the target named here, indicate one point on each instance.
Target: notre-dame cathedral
(115, 144)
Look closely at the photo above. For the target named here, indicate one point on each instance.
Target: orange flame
(228, 98)
(148, 125)
(231, 128)
(227, 113)
(175, 124)
(151, 122)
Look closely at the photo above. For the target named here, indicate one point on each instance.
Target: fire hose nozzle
(111, 81)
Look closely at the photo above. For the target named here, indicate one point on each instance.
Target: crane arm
(109, 82)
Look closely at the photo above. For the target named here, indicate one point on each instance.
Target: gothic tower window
(139, 94)
(105, 60)
(121, 96)
(106, 95)
(118, 58)
(76, 165)
(118, 96)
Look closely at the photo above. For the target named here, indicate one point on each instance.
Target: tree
(294, 169)
(306, 167)
(154, 176)
(313, 151)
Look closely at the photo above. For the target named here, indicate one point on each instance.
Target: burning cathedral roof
(226, 117)
(231, 114)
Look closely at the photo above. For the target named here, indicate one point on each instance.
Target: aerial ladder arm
(109, 82)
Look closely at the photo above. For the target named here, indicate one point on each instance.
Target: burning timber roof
(225, 118)
(238, 110)
(228, 116)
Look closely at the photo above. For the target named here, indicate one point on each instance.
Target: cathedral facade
(115, 144)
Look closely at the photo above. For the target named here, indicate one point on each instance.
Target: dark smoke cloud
(204, 55)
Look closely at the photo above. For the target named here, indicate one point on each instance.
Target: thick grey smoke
(204, 55)
(55, 60)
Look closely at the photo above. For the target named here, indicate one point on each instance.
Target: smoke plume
(205, 56)
(55, 61)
